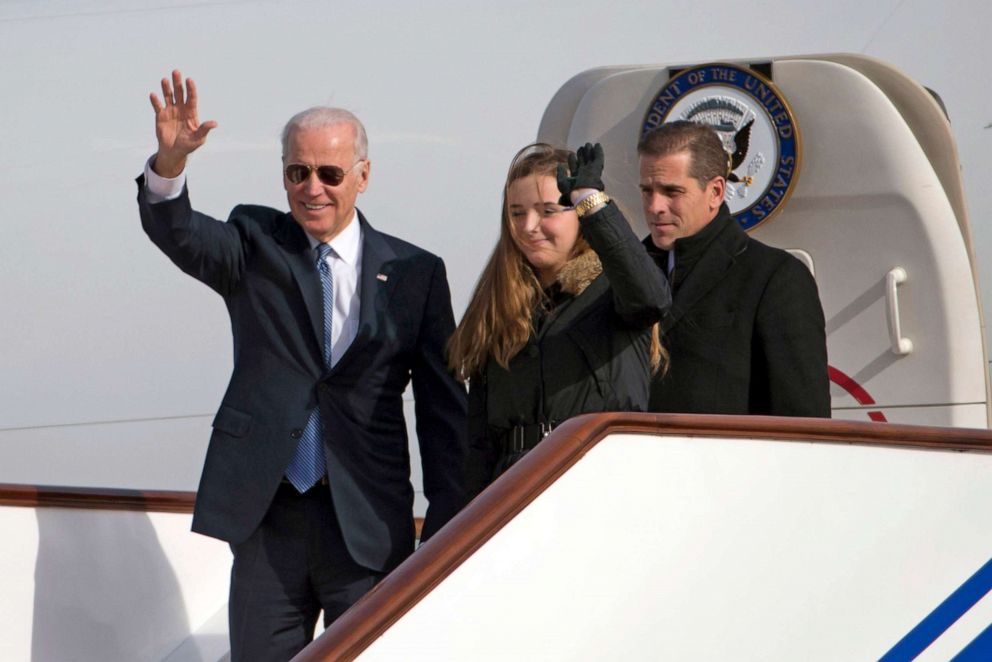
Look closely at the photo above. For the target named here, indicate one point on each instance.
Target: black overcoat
(745, 330)
(590, 353)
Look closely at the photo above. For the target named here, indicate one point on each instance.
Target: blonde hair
(498, 320)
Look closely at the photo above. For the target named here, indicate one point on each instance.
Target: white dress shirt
(345, 261)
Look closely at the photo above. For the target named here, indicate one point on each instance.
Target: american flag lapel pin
(382, 277)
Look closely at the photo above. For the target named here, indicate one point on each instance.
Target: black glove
(586, 167)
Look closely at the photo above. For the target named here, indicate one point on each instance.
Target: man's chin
(663, 243)
(315, 227)
(323, 228)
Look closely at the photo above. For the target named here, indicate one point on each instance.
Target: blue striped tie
(309, 465)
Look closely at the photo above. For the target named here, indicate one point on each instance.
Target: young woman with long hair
(564, 319)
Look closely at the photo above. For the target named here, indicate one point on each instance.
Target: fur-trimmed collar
(578, 272)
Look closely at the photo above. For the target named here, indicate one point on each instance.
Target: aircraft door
(878, 217)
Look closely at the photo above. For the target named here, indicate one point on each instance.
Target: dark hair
(707, 157)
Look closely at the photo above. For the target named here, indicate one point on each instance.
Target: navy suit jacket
(261, 263)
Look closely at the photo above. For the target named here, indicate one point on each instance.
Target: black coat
(261, 263)
(589, 353)
(745, 330)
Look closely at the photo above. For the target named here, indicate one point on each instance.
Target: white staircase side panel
(100, 585)
(17, 564)
(715, 549)
(209, 643)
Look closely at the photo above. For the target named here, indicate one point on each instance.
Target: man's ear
(716, 191)
(364, 175)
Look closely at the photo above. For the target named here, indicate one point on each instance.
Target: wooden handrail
(96, 498)
(361, 625)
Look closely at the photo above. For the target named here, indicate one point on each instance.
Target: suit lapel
(377, 282)
(303, 265)
(706, 274)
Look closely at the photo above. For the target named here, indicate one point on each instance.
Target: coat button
(296, 434)
(324, 388)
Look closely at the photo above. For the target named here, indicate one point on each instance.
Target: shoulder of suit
(401, 247)
(265, 219)
(755, 256)
(404, 248)
(759, 250)
(775, 263)
(258, 213)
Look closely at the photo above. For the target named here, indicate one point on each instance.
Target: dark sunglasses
(331, 175)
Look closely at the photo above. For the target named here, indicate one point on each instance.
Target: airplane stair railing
(622, 536)
(96, 498)
(640, 536)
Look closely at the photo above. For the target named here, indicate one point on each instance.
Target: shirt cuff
(161, 188)
(580, 194)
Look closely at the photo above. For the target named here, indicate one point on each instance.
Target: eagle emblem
(755, 125)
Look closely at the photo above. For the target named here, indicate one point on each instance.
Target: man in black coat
(308, 471)
(745, 331)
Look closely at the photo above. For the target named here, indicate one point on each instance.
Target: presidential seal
(755, 123)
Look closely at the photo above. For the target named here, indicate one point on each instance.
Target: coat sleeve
(791, 341)
(440, 405)
(641, 294)
(211, 251)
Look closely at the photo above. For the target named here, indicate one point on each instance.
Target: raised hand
(586, 168)
(177, 126)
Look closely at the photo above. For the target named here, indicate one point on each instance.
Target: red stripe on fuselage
(857, 392)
